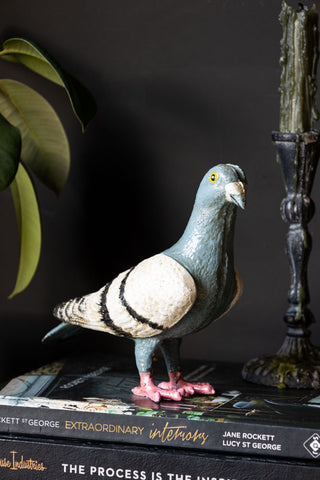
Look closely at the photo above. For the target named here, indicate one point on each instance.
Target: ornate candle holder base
(283, 371)
(297, 363)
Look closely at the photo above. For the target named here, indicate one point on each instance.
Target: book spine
(62, 460)
(227, 437)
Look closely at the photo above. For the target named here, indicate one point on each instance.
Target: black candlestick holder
(297, 363)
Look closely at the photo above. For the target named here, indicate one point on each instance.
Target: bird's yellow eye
(213, 177)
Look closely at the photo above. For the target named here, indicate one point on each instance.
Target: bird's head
(223, 183)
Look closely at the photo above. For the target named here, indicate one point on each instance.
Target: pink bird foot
(156, 393)
(176, 382)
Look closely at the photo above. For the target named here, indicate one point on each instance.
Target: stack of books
(78, 419)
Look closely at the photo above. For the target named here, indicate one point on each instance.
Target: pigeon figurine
(171, 294)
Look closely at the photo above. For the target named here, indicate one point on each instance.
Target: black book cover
(90, 399)
(36, 458)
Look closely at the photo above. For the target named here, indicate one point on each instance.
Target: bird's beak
(236, 193)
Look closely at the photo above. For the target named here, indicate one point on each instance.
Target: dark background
(181, 86)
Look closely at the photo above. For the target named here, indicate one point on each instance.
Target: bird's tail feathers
(62, 332)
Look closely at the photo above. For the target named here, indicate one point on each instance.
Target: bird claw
(186, 389)
(156, 394)
(175, 389)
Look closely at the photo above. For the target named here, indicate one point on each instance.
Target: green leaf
(45, 148)
(21, 50)
(29, 227)
(10, 148)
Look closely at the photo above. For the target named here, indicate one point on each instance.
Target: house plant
(33, 142)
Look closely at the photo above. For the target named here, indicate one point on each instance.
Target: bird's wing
(238, 294)
(141, 302)
(86, 311)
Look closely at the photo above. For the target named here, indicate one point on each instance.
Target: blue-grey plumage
(206, 248)
(175, 293)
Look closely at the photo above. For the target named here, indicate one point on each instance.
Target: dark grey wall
(181, 86)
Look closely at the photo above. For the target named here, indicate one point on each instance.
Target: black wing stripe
(106, 317)
(82, 301)
(68, 309)
(75, 304)
(131, 311)
(59, 311)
